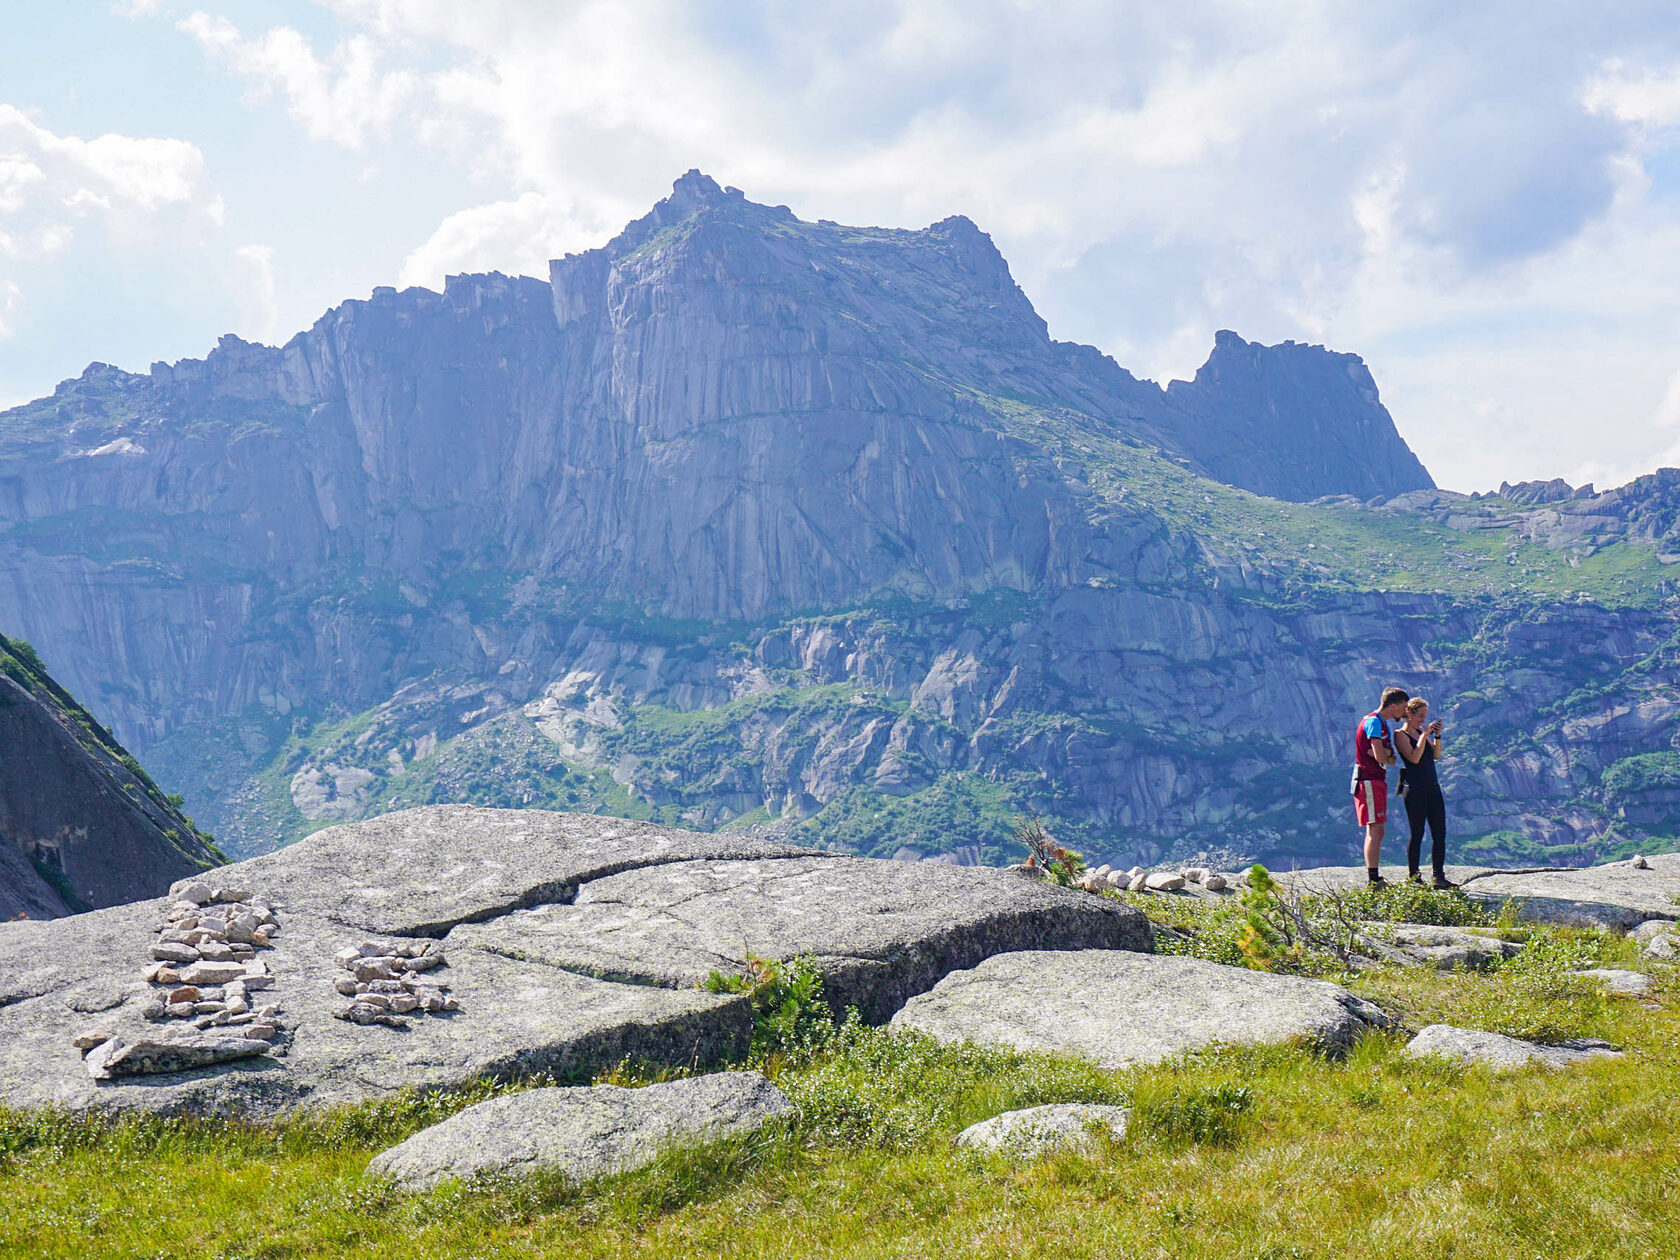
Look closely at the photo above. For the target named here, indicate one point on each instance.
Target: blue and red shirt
(1373, 729)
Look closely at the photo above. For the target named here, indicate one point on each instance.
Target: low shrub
(1179, 1114)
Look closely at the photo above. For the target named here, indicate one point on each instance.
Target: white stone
(1215, 882)
(1036, 1131)
(1640, 864)
(1137, 883)
(1163, 881)
(1118, 879)
(193, 891)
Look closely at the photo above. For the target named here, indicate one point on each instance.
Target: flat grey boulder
(582, 1132)
(879, 932)
(1501, 1053)
(1618, 980)
(1117, 1008)
(569, 942)
(1616, 895)
(1035, 1131)
(1443, 948)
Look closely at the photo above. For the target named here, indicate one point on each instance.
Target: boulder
(1036, 1131)
(1617, 980)
(1117, 1008)
(1657, 938)
(1163, 881)
(1617, 895)
(582, 1132)
(1467, 1045)
(567, 942)
(1443, 948)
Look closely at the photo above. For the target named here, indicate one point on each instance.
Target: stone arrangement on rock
(388, 981)
(205, 973)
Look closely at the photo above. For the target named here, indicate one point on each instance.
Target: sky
(1481, 199)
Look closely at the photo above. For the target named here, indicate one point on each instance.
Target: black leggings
(1426, 805)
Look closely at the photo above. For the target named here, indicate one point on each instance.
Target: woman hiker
(1419, 747)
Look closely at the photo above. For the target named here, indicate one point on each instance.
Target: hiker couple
(1399, 730)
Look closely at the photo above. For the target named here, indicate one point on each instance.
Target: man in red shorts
(1373, 754)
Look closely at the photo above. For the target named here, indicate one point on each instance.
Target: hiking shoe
(1442, 884)
(1379, 882)
(1414, 877)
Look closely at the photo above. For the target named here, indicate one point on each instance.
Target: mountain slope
(743, 518)
(81, 825)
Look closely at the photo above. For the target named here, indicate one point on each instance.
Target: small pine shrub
(790, 1015)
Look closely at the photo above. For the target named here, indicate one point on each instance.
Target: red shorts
(1370, 801)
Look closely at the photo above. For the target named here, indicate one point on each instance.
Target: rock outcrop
(1501, 1053)
(1118, 1009)
(1293, 422)
(1616, 895)
(564, 944)
(81, 825)
(582, 1132)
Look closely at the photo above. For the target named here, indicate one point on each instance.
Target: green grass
(1239, 1152)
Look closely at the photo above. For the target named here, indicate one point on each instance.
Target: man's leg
(1373, 845)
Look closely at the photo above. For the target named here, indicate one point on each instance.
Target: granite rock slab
(1501, 1053)
(606, 970)
(582, 1132)
(1035, 1131)
(1616, 895)
(1117, 1008)
(879, 932)
(419, 872)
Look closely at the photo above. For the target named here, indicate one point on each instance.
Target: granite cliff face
(743, 518)
(81, 826)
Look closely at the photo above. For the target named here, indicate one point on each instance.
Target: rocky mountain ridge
(81, 825)
(744, 520)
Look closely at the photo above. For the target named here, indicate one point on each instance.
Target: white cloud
(138, 191)
(10, 298)
(517, 236)
(1649, 98)
(254, 277)
(345, 98)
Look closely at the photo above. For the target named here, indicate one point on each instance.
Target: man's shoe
(1442, 884)
(1379, 882)
(1414, 877)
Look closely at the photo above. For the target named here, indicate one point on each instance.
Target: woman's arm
(1408, 749)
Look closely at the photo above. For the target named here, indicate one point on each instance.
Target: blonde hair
(1417, 704)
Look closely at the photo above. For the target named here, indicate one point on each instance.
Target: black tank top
(1420, 777)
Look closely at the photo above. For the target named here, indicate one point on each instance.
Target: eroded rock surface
(1616, 895)
(1117, 1008)
(582, 1132)
(880, 931)
(562, 988)
(1468, 1045)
